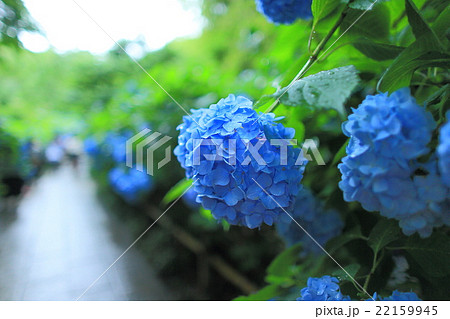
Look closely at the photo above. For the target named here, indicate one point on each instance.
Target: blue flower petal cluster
(284, 11)
(381, 171)
(402, 296)
(91, 146)
(130, 184)
(322, 289)
(443, 151)
(321, 223)
(214, 149)
(116, 145)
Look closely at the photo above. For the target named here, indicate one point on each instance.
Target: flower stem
(313, 58)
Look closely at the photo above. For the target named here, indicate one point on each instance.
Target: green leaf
(384, 232)
(326, 89)
(321, 8)
(176, 190)
(432, 254)
(373, 24)
(364, 4)
(351, 269)
(377, 51)
(442, 23)
(419, 26)
(264, 294)
(417, 55)
(281, 266)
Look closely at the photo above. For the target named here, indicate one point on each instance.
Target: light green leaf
(176, 190)
(321, 8)
(384, 232)
(326, 89)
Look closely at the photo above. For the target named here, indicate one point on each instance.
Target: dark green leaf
(351, 269)
(384, 232)
(326, 89)
(176, 190)
(419, 26)
(377, 51)
(442, 23)
(348, 236)
(432, 254)
(264, 294)
(341, 153)
(418, 55)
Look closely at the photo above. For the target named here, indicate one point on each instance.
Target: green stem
(375, 264)
(314, 56)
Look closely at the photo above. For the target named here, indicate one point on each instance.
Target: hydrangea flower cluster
(130, 184)
(381, 171)
(397, 296)
(443, 151)
(322, 289)
(322, 224)
(230, 184)
(116, 145)
(284, 11)
(91, 146)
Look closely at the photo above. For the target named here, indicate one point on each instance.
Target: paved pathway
(61, 239)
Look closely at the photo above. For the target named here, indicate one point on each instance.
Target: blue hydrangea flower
(443, 151)
(130, 184)
(226, 183)
(381, 171)
(402, 296)
(322, 289)
(284, 11)
(116, 146)
(322, 224)
(396, 296)
(91, 146)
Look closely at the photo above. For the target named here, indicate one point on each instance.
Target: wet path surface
(61, 239)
